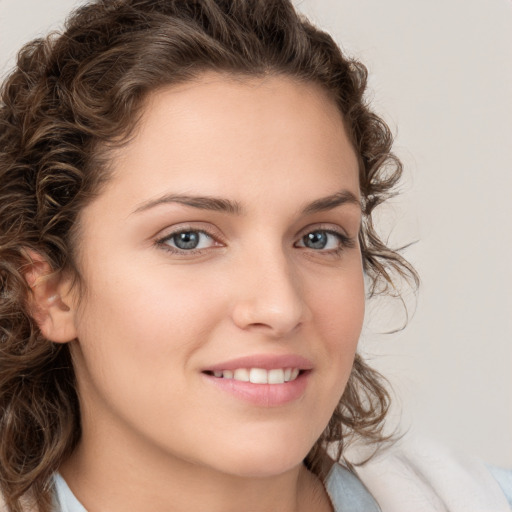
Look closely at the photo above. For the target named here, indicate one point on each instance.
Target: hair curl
(72, 95)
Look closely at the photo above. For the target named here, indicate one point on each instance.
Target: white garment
(424, 477)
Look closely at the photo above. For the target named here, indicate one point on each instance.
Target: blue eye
(324, 240)
(194, 241)
(188, 240)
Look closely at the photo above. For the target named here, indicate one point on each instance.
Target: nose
(270, 296)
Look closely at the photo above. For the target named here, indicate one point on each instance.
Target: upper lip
(264, 361)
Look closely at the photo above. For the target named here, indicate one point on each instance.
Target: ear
(50, 302)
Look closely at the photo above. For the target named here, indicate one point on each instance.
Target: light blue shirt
(65, 500)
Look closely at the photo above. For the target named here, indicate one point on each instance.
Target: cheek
(339, 307)
(145, 330)
(148, 307)
(137, 340)
(339, 313)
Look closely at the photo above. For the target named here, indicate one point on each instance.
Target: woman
(186, 193)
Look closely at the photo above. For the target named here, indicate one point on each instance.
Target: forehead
(221, 130)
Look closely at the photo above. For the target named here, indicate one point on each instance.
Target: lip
(264, 361)
(262, 395)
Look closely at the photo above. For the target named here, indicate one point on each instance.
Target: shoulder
(429, 478)
(347, 492)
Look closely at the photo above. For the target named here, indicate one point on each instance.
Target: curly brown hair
(71, 96)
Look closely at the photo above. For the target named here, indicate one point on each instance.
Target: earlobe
(50, 301)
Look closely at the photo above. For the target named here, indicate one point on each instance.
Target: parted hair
(74, 94)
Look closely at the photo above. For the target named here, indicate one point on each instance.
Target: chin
(257, 461)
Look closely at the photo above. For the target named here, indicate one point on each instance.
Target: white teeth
(259, 375)
(241, 374)
(276, 376)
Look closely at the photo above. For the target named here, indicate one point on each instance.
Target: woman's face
(224, 248)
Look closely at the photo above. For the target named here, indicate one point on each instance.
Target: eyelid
(323, 226)
(328, 228)
(345, 240)
(168, 234)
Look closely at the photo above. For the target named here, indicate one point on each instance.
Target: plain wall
(441, 76)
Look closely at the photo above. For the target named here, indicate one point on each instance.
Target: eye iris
(186, 240)
(316, 240)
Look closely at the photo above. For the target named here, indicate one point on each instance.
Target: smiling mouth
(259, 375)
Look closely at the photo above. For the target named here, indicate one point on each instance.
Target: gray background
(441, 76)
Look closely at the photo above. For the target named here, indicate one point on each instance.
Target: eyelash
(175, 250)
(345, 242)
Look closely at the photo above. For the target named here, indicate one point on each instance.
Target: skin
(156, 434)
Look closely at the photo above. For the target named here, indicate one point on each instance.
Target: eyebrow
(219, 204)
(332, 201)
(201, 202)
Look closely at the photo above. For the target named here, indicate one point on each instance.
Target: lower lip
(263, 395)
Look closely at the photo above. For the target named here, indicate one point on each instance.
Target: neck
(103, 479)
